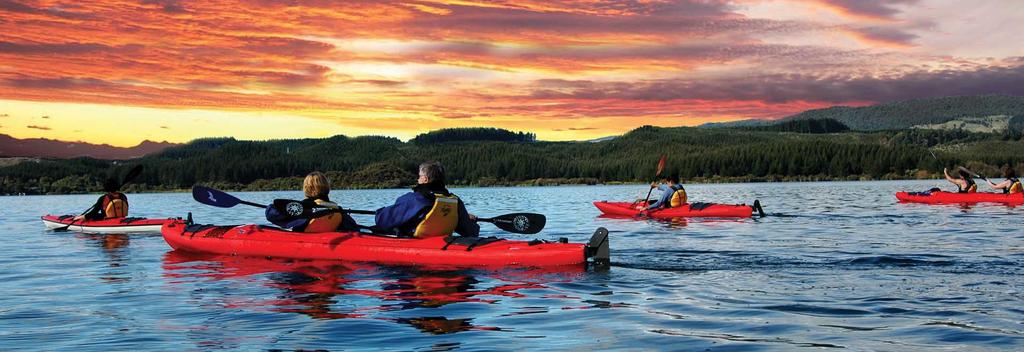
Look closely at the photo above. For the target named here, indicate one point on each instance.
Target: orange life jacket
(115, 205)
(1015, 186)
(678, 198)
(325, 223)
(442, 219)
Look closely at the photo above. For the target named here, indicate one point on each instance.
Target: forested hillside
(906, 114)
(694, 154)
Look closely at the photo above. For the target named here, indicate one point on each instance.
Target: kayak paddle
(661, 167)
(131, 175)
(217, 198)
(524, 223)
(964, 169)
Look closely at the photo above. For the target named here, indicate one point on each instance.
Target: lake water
(834, 265)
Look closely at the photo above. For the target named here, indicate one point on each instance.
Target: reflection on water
(318, 288)
(115, 247)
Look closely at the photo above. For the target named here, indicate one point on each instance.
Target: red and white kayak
(943, 197)
(712, 210)
(264, 241)
(115, 225)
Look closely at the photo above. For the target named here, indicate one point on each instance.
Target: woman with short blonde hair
(330, 216)
(316, 185)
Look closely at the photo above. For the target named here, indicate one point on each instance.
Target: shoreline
(543, 182)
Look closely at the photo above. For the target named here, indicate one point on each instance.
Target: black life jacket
(971, 186)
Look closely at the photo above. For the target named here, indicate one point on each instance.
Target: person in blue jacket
(429, 210)
(669, 191)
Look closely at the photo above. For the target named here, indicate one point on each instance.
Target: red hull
(712, 211)
(942, 197)
(254, 240)
(116, 225)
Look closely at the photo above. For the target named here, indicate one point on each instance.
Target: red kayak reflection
(315, 288)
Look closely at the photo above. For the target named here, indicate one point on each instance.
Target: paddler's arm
(467, 225)
(951, 179)
(666, 192)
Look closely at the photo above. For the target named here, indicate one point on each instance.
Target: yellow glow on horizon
(126, 126)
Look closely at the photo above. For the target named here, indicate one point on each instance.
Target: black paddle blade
(131, 175)
(524, 223)
(757, 207)
(210, 196)
(293, 208)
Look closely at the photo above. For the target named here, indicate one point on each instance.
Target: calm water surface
(835, 265)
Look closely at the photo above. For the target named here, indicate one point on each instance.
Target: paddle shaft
(974, 174)
(661, 167)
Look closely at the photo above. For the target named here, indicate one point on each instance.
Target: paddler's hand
(654, 184)
(78, 217)
(472, 217)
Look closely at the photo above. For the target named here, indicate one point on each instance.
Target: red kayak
(264, 241)
(115, 225)
(712, 210)
(942, 197)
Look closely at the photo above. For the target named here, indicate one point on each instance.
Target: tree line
(694, 154)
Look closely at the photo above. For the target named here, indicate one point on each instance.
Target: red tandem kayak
(687, 210)
(115, 225)
(265, 241)
(942, 197)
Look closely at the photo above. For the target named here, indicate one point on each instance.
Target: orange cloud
(561, 68)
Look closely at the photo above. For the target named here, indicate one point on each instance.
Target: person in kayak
(1011, 185)
(672, 194)
(112, 204)
(316, 188)
(430, 210)
(964, 184)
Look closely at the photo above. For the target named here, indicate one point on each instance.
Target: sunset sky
(119, 72)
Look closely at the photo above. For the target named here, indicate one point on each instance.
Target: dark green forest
(906, 114)
(694, 154)
(803, 126)
(909, 113)
(446, 135)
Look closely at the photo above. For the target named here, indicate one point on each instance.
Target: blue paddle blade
(210, 196)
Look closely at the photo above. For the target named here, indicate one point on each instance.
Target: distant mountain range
(49, 148)
(981, 113)
(978, 113)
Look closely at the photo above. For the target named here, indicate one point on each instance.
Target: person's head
(963, 175)
(431, 172)
(1009, 172)
(316, 185)
(110, 185)
(672, 180)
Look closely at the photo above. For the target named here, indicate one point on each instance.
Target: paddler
(1011, 185)
(112, 204)
(672, 194)
(327, 216)
(964, 184)
(429, 210)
